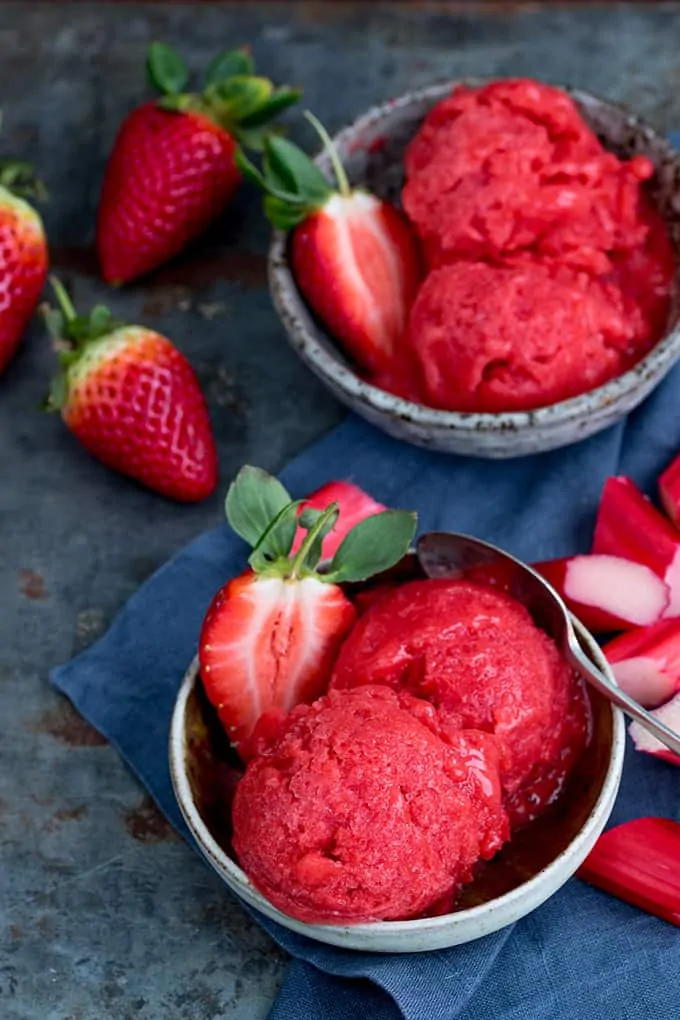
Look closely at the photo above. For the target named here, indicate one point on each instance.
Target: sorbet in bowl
(550, 270)
(454, 775)
(549, 222)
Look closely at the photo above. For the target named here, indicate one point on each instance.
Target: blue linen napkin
(581, 955)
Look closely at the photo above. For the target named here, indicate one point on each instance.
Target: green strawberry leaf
(78, 328)
(373, 545)
(241, 95)
(254, 138)
(291, 164)
(55, 322)
(254, 499)
(19, 178)
(262, 181)
(248, 169)
(281, 99)
(307, 556)
(178, 102)
(101, 322)
(282, 214)
(58, 393)
(165, 68)
(229, 64)
(276, 541)
(276, 183)
(315, 549)
(309, 517)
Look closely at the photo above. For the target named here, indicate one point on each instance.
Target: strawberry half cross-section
(271, 636)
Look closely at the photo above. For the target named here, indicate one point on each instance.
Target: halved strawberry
(271, 636)
(353, 505)
(355, 257)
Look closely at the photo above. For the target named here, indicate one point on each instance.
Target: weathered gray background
(103, 912)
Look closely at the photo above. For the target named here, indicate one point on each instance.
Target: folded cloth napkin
(581, 955)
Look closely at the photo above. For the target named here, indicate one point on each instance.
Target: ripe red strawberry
(172, 168)
(23, 255)
(271, 636)
(355, 258)
(133, 401)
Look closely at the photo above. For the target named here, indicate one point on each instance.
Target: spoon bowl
(445, 554)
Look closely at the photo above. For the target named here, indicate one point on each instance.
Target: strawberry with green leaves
(23, 254)
(355, 258)
(133, 401)
(172, 168)
(271, 636)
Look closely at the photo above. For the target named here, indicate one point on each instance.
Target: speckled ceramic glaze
(372, 150)
(534, 865)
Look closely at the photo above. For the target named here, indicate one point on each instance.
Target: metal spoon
(444, 554)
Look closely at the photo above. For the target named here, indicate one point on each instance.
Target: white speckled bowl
(534, 865)
(371, 149)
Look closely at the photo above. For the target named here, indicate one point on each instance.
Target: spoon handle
(663, 733)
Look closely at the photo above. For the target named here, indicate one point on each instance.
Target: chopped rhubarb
(355, 505)
(628, 525)
(643, 739)
(638, 863)
(607, 593)
(646, 662)
(669, 490)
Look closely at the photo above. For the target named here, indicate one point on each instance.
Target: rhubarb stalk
(646, 662)
(607, 593)
(628, 525)
(669, 490)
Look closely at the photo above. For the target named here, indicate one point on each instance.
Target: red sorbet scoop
(359, 810)
(477, 656)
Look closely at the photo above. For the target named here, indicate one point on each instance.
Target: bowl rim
(501, 905)
(291, 306)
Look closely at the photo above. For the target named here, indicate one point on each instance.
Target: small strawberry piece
(23, 255)
(638, 862)
(646, 662)
(133, 401)
(607, 593)
(172, 170)
(355, 257)
(271, 636)
(628, 525)
(669, 490)
(643, 739)
(354, 505)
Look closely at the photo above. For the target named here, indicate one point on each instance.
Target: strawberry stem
(306, 547)
(338, 168)
(63, 300)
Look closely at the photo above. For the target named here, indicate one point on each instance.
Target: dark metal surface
(103, 912)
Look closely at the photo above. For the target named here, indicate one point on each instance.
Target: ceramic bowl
(371, 149)
(534, 865)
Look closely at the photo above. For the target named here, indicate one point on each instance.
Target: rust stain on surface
(15, 932)
(146, 824)
(32, 584)
(64, 724)
(70, 814)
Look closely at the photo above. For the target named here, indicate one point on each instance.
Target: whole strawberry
(23, 255)
(172, 168)
(133, 401)
(355, 258)
(271, 636)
